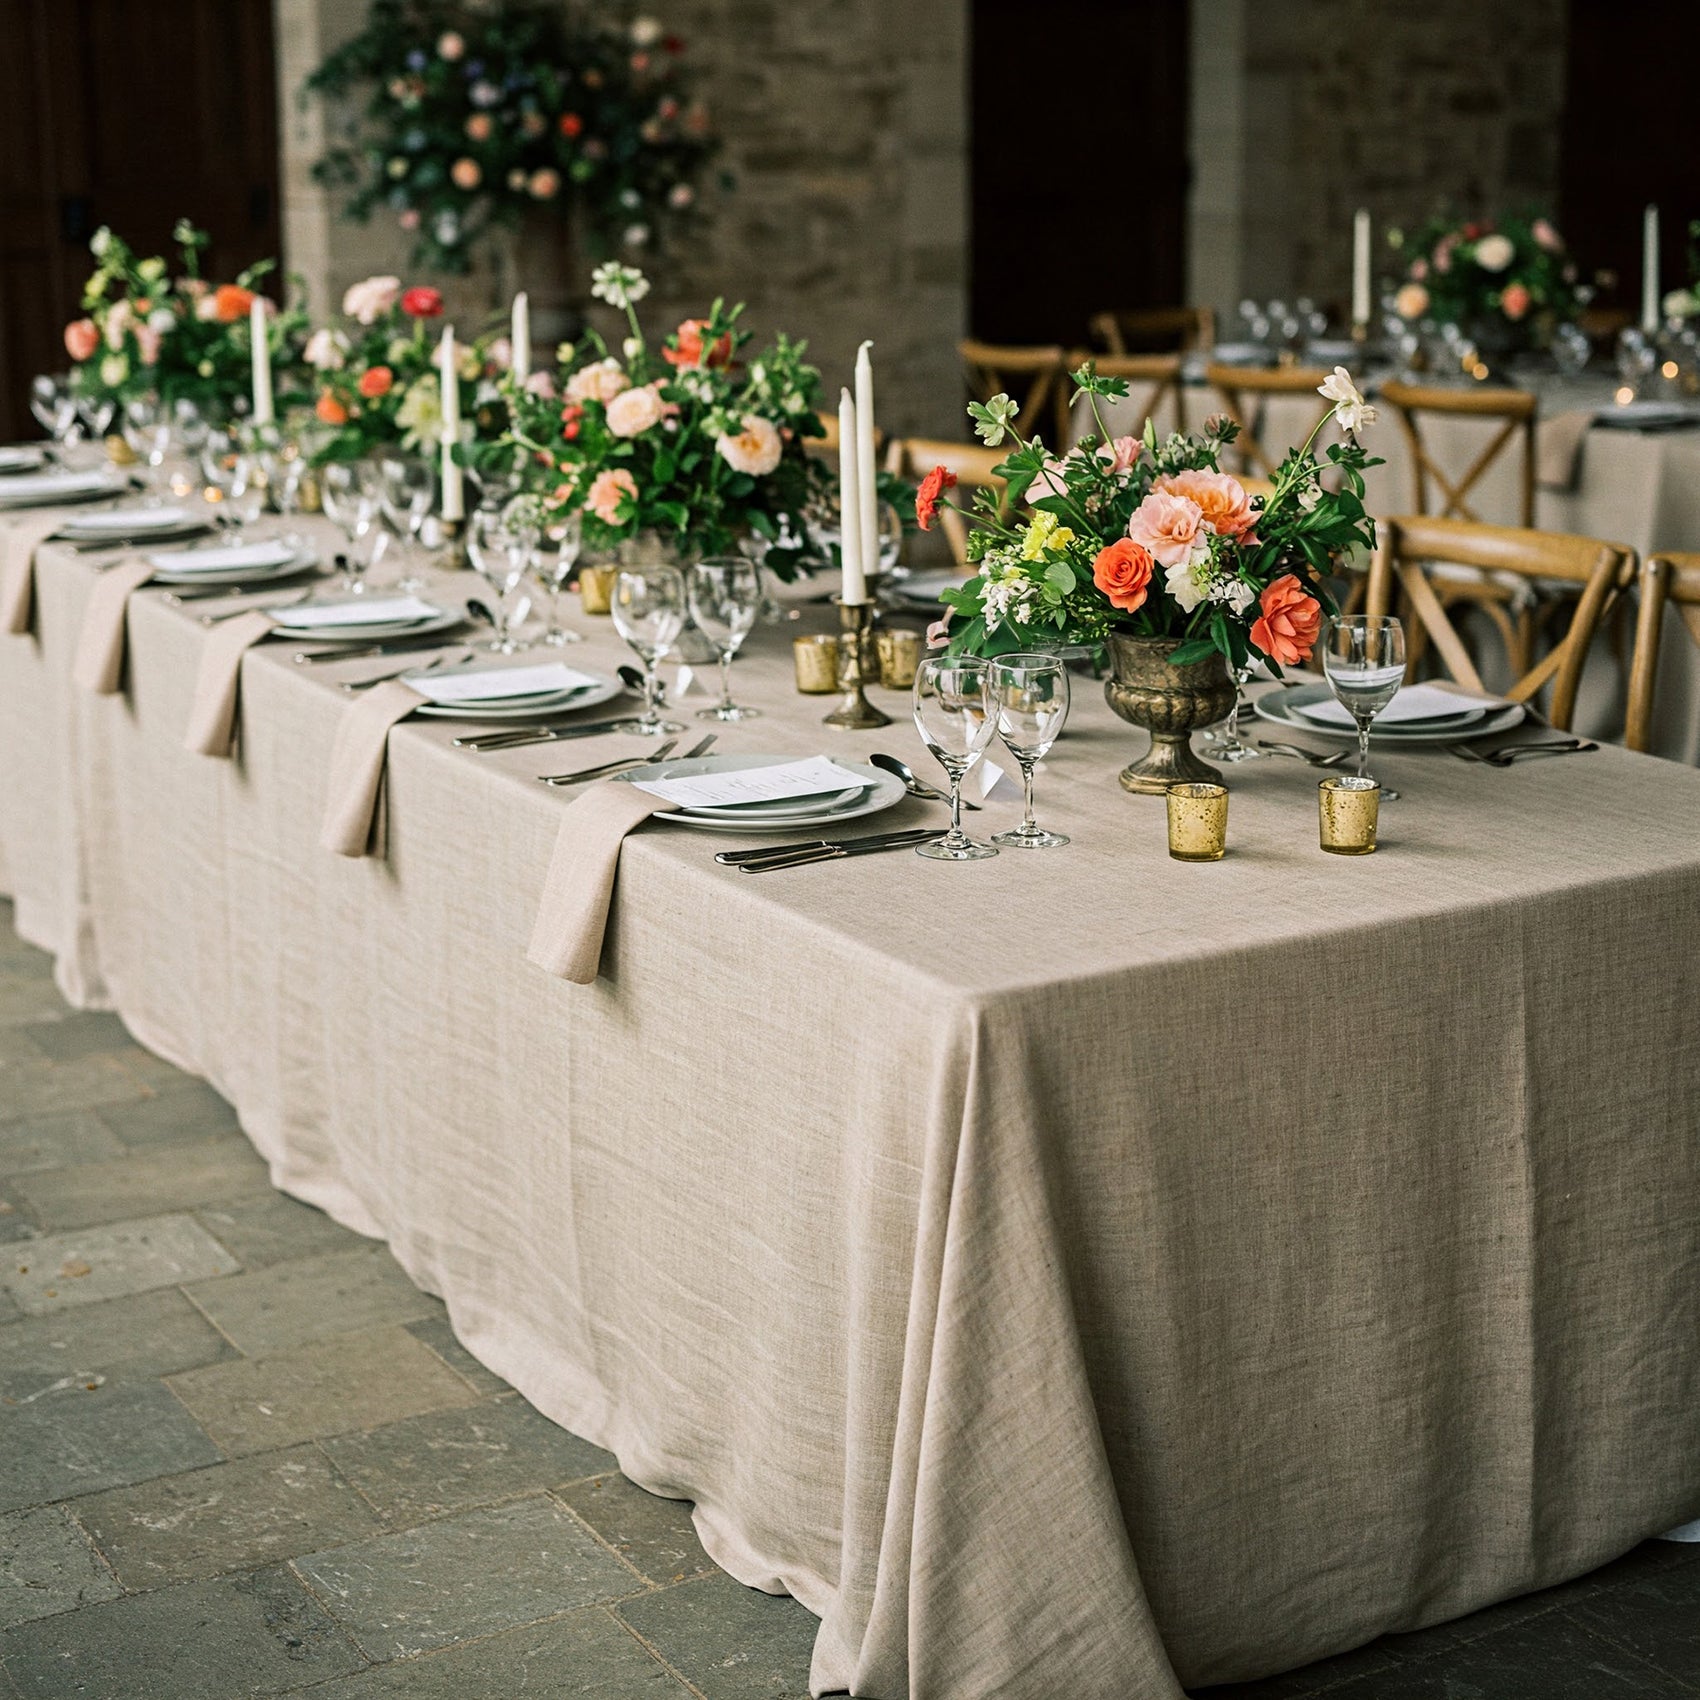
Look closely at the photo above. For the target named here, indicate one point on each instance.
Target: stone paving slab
(181, 1115)
(44, 1088)
(242, 1636)
(349, 1382)
(88, 1265)
(51, 1142)
(81, 1033)
(235, 1516)
(450, 1460)
(586, 1656)
(47, 1566)
(1656, 1618)
(16, 1222)
(466, 1576)
(145, 1183)
(274, 1228)
(440, 1337)
(653, 1535)
(310, 1298)
(728, 1641)
(148, 1335)
(28, 997)
(76, 1442)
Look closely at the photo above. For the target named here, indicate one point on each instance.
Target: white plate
(1279, 707)
(362, 630)
(765, 814)
(25, 459)
(1333, 352)
(564, 702)
(1646, 415)
(883, 791)
(54, 489)
(125, 522)
(299, 560)
(925, 587)
(1240, 354)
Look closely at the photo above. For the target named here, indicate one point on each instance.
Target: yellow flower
(1044, 535)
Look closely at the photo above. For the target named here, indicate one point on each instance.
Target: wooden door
(130, 113)
(1079, 177)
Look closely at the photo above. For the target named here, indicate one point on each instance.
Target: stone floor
(241, 1455)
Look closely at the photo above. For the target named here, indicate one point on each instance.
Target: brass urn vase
(1146, 688)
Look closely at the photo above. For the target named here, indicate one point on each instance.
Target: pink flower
(81, 339)
(938, 633)
(466, 174)
(755, 449)
(541, 384)
(601, 382)
(1419, 269)
(1411, 302)
(408, 218)
(1219, 496)
(368, 301)
(1546, 234)
(1515, 300)
(479, 126)
(1122, 453)
(1048, 482)
(633, 411)
(1169, 526)
(147, 343)
(544, 185)
(608, 491)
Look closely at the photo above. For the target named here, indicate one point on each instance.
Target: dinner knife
(541, 735)
(420, 646)
(908, 835)
(835, 853)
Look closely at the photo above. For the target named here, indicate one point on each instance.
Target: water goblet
(1030, 698)
(96, 413)
(501, 556)
(568, 537)
(726, 592)
(146, 427)
(1228, 745)
(346, 495)
(1363, 658)
(648, 606)
(1636, 359)
(407, 493)
(955, 717)
(55, 409)
(1570, 350)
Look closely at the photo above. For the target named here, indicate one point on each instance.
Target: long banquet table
(1074, 1273)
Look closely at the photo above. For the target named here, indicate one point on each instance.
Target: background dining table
(1077, 1272)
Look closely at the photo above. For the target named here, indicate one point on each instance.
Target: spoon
(915, 787)
(1332, 759)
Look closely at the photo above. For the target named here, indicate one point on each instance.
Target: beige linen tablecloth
(1077, 1273)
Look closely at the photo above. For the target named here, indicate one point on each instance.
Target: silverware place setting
(1332, 759)
(450, 652)
(608, 769)
(915, 787)
(518, 739)
(1509, 754)
(824, 850)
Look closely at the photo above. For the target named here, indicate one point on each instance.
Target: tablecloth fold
(212, 716)
(99, 664)
(1558, 448)
(19, 540)
(357, 766)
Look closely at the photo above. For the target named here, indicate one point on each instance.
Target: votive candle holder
(900, 655)
(596, 589)
(1198, 822)
(816, 660)
(1348, 809)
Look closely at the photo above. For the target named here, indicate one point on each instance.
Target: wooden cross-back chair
(1244, 389)
(1515, 412)
(915, 457)
(1152, 380)
(1407, 548)
(1672, 579)
(1036, 376)
(1140, 330)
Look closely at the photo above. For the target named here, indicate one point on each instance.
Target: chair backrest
(1244, 389)
(1142, 330)
(826, 446)
(1603, 572)
(1665, 578)
(1515, 411)
(1152, 379)
(914, 457)
(1037, 376)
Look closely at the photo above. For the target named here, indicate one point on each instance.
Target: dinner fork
(354, 685)
(1332, 759)
(265, 608)
(608, 768)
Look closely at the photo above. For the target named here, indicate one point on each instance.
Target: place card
(366, 611)
(992, 781)
(496, 684)
(783, 780)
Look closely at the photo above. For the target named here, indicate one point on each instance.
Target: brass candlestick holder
(453, 534)
(854, 711)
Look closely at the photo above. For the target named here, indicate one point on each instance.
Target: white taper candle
(855, 586)
(454, 497)
(522, 337)
(1360, 267)
(867, 473)
(1650, 270)
(261, 354)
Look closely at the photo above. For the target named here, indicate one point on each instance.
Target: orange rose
(376, 381)
(1220, 498)
(231, 302)
(1286, 631)
(81, 339)
(1515, 300)
(330, 410)
(1123, 572)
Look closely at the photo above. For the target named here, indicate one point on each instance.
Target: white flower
(645, 32)
(620, 286)
(634, 411)
(114, 369)
(161, 319)
(323, 353)
(1186, 582)
(1007, 595)
(370, 299)
(632, 347)
(100, 242)
(601, 382)
(755, 449)
(1682, 304)
(1350, 408)
(206, 307)
(635, 237)
(420, 414)
(117, 322)
(1235, 593)
(1494, 252)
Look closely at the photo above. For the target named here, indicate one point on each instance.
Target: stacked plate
(921, 590)
(25, 457)
(812, 792)
(509, 693)
(1420, 714)
(362, 619)
(130, 525)
(48, 489)
(1648, 415)
(234, 563)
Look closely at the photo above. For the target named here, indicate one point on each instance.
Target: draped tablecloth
(1075, 1273)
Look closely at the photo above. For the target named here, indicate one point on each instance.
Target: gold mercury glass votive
(1348, 808)
(816, 660)
(596, 588)
(900, 655)
(1198, 822)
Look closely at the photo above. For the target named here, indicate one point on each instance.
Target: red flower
(329, 410)
(232, 302)
(1123, 572)
(571, 124)
(422, 302)
(1287, 630)
(933, 486)
(572, 416)
(376, 381)
(690, 352)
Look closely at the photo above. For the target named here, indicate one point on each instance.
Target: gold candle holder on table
(816, 661)
(1348, 809)
(453, 534)
(854, 711)
(900, 655)
(596, 589)
(1198, 822)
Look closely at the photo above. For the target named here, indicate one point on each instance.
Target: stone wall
(846, 135)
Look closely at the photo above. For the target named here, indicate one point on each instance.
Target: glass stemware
(1030, 697)
(568, 537)
(648, 606)
(96, 412)
(1229, 745)
(501, 555)
(726, 593)
(55, 409)
(146, 426)
(407, 492)
(233, 485)
(1363, 657)
(348, 500)
(954, 715)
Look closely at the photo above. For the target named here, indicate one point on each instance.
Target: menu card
(808, 778)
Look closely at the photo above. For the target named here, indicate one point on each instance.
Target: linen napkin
(100, 645)
(357, 766)
(212, 716)
(1558, 448)
(19, 540)
(566, 940)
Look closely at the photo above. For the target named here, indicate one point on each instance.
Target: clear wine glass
(648, 606)
(1571, 350)
(55, 408)
(407, 492)
(1636, 358)
(726, 592)
(1229, 745)
(954, 715)
(146, 426)
(568, 537)
(501, 555)
(1030, 697)
(230, 485)
(348, 500)
(1363, 657)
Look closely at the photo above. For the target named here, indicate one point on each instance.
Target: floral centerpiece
(480, 112)
(1149, 549)
(688, 441)
(180, 337)
(1684, 303)
(1509, 282)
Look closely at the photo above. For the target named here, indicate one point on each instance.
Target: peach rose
(607, 491)
(1515, 300)
(691, 350)
(634, 411)
(1411, 302)
(1287, 628)
(81, 339)
(376, 381)
(1546, 233)
(755, 449)
(231, 302)
(479, 126)
(329, 410)
(601, 382)
(1220, 497)
(368, 300)
(1169, 526)
(466, 174)
(1123, 572)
